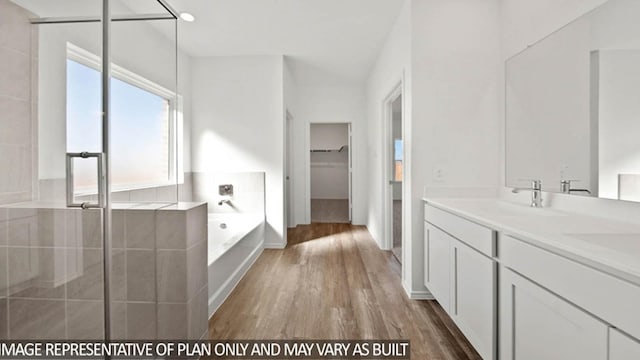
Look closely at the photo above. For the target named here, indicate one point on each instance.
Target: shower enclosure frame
(104, 164)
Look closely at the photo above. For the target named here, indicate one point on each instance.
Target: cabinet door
(622, 347)
(536, 324)
(437, 271)
(474, 298)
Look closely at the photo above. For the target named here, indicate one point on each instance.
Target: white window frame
(175, 125)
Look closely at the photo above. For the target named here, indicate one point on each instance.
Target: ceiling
(324, 40)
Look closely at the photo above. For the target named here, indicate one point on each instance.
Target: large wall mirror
(573, 107)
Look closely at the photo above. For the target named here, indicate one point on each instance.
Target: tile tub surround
(160, 272)
(248, 188)
(51, 265)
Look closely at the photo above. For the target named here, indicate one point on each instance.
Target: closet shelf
(329, 165)
(342, 148)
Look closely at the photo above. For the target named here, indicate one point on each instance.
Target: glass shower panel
(55, 215)
(51, 256)
(125, 8)
(144, 105)
(144, 169)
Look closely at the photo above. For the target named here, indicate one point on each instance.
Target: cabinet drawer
(603, 295)
(470, 233)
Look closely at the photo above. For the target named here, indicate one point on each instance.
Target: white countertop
(607, 245)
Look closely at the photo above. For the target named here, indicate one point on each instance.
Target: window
(397, 160)
(142, 125)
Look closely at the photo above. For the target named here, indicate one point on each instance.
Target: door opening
(330, 173)
(394, 171)
(288, 169)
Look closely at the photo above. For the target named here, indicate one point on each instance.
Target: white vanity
(535, 283)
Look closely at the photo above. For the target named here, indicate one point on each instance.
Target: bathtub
(234, 242)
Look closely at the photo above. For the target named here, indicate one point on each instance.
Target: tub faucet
(536, 193)
(224, 201)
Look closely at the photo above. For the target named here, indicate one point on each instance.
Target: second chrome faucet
(536, 193)
(565, 187)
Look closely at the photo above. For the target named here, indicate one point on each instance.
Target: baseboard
(278, 246)
(421, 295)
(417, 294)
(225, 290)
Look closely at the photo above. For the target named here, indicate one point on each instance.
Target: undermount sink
(628, 243)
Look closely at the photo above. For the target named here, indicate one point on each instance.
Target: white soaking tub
(235, 242)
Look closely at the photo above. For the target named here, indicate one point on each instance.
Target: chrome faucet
(565, 187)
(536, 193)
(224, 201)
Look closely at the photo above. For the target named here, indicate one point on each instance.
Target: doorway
(394, 171)
(288, 169)
(330, 173)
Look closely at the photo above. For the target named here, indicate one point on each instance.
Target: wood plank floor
(333, 282)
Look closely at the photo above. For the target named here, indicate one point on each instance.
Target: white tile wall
(85, 320)
(141, 275)
(171, 230)
(171, 321)
(51, 262)
(18, 49)
(248, 187)
(172, 272)
(27, 316)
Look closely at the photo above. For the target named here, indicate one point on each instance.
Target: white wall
(619, 91)
(290, 105)
(329, 180)
(393, 63)
(449, 54)
(455, 120)
(329, 104)
(329, 136)
(525, 21)
(238, 125)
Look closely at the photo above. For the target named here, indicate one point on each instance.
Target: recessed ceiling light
(187, 17)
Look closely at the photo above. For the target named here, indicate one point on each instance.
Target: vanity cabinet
(437, 269)
(537, 324)
(461, 274)
(622, 347)
(473, 307)
(557, 298)
(569, 308)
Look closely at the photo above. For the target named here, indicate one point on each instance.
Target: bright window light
(143, 125)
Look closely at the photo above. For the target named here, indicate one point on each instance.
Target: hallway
(333, 282)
